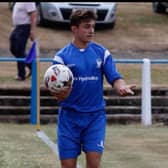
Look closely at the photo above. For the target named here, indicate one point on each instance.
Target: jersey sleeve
(110, 69)
(58, 59)
(60, 55)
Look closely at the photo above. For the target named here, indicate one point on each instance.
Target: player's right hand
(63, 94)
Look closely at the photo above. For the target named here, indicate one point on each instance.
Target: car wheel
(112, 25)
(158, 7)
(11, 5)
(40, 19)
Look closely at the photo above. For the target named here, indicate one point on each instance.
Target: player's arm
(114, 77)
(122, 88)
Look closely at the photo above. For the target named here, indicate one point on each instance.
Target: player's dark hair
(78, 16)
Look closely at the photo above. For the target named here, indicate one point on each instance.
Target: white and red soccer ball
(57, 77)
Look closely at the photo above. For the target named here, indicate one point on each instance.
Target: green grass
(152, 19)
(127, 146)
(135, 146)
(20, 148)
(144, 19)
(131, 72)
(138, 28)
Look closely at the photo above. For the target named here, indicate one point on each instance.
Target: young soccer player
(82, 118)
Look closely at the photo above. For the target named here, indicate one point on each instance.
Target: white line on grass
(49, 143)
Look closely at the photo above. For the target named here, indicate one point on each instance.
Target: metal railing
(146, 114)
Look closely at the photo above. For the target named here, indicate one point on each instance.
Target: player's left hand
(126, 90)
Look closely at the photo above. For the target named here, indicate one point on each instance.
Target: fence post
(33, 117)
(35, 91)
(146, 116)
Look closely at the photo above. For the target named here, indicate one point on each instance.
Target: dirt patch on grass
(137, 28)
(139, 33)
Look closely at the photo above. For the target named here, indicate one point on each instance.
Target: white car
(60, 12)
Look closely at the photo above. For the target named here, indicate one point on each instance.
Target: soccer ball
(58, 77)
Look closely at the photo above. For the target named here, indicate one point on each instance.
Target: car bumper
(56, 13)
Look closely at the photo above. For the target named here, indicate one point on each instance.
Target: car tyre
(112, 25)
(11, 5)
(40, 18)
(158, 7)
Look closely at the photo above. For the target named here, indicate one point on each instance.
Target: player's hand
(126, 90)
(63, 94)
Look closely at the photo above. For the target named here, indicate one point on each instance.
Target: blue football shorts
(78, 132)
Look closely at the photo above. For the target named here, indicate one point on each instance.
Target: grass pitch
(127, 146)
(131, 72)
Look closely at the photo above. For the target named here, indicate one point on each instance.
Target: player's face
(85, 31)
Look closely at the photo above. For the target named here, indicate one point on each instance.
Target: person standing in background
(24, 21)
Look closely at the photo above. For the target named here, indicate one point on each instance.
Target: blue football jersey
(88, 66)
